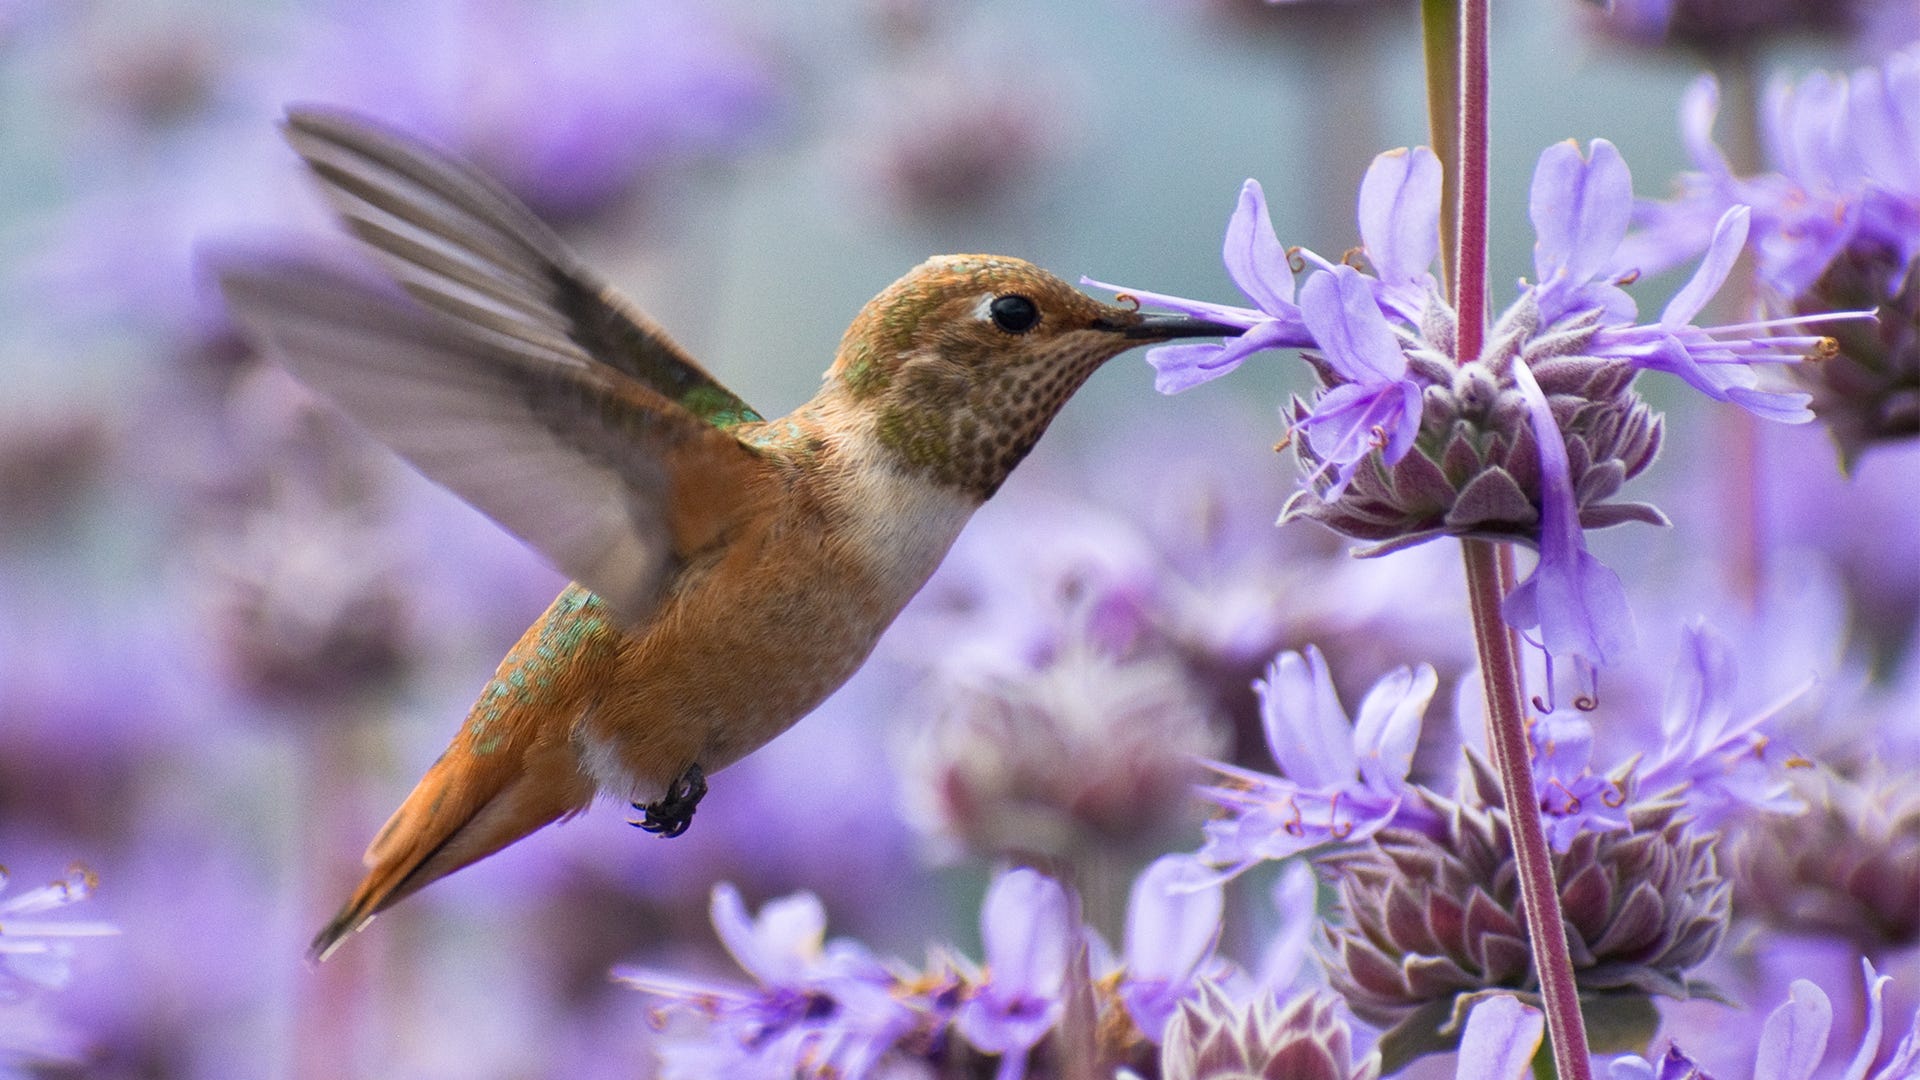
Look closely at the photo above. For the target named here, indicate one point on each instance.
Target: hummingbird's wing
(612, 482)
(462, 245)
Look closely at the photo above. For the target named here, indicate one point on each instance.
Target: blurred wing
(609, 480)
(465, 247)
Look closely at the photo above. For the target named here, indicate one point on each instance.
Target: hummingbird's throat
(973, 439)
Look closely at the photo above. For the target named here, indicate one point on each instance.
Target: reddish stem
(1470, 264)
(1513, 757)
(1499, 659)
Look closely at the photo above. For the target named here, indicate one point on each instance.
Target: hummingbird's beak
(1168, 327)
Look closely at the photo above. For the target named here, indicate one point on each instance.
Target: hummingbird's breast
(753, 638)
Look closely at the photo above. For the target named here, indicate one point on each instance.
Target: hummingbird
(729, 571)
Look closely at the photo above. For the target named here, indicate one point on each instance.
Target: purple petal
(1580, 609)
(1296, 896)
(1339, 310)
(1182, 367)
(1027, 929)
(1388, 728)
(1342, 427)
(1700, 694)
(1173, 917)
(1729, 239)
(1795, 1036)
(1698, 109)
(1876, 1021)
(1400, 214)
(1576, 601)
(1580, 210)
(1307, 730)
(1501, 1038)
(778, 947)
(1179, 368)
(1173, 923)
(1255, 260)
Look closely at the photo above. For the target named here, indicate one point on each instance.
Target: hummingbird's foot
(673, 812)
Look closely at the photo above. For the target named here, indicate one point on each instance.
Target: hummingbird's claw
(673, 812)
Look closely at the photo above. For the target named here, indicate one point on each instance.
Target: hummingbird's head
(963, 362)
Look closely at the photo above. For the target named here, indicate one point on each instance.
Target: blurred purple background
(233, 632)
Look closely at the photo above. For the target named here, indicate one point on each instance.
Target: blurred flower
(573, 107)
(1527, 442)
(37, 952)
(833, 1009)
(1343, 780)
(309, 603)
(569, 106)
(1722, 25)
(1214, 1037)
(49, 460)
(1720, 766)
(1849, 865)
(1434, 918)
(1834, 230)
(826, 1004)
(1029, 927)
(1085, 748)
(1500, 1040)
(951, 140)
(1173, 925)
(304, 580)
(1794, 1040)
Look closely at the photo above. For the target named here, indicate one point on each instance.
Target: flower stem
(1512, 755)
(1462, 91)
(1742, 495)
(1470, 263)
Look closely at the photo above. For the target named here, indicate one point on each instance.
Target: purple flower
(1573, 797)
(1722, 764)
(1721, 25)
(1836, 229)
(1029, 929)
(37, 952)
(1576, 603)
(1377, 407)
(1793, 1042)
(1173, 924)
(1526, 442)
(1343, 780)
(552, 103)
(1258, 265)
(827, 1003)
(1500, 1040)
(1580, 207)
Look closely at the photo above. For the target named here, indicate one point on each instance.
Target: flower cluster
(834, 1008)
(1715, 26)
(1527, 442)
(1124, 642)
(1794, 1039)
(1835, 228)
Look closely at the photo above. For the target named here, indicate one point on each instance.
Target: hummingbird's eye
(1014, 313)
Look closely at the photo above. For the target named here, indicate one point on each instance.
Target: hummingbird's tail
(468, 806)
